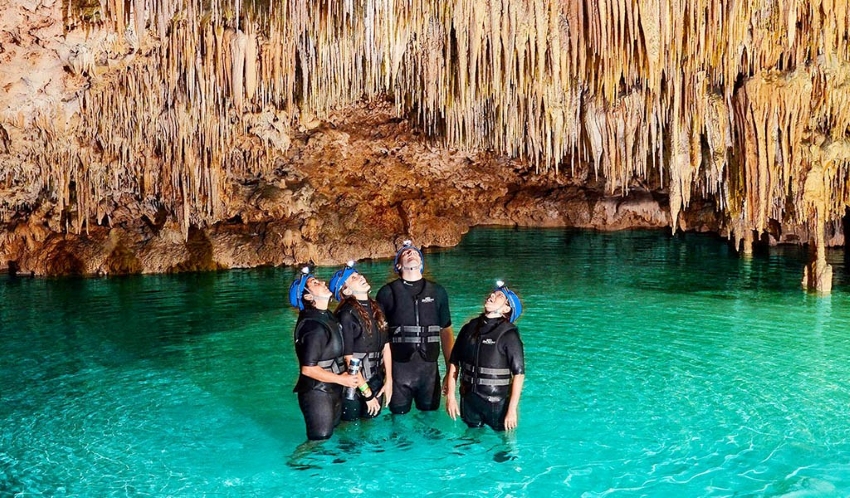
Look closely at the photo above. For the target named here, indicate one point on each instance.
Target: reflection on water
(656, 365)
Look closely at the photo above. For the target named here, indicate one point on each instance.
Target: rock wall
(181, 135)
(353, 187)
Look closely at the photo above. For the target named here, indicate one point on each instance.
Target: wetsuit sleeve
(385, 298)
(314, 339)
(350, 331)
(512, 348)
(456, 354)
(443, 310)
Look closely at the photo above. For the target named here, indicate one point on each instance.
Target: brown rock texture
(185, 135)
(353, 187)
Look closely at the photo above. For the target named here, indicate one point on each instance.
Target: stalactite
(638, 88)
(139, 14)
(238, 49)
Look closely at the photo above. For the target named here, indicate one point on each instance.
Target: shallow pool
(656, 366)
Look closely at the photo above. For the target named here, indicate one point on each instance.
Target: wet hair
(380, 321)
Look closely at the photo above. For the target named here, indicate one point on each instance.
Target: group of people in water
(396, 340)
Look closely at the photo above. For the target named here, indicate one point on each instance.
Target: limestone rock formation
(182, 135)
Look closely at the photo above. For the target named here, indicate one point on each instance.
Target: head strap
(513, 300)
(296, 290)
(339, 279)
(405, 246)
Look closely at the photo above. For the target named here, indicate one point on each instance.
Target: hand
(452, 408)
(373, 406)
(445, 388)
(346, 380)
(511, 419)
(387, 392)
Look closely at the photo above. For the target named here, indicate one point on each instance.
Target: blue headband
(339, 279)
(296, 290)
(513, 300)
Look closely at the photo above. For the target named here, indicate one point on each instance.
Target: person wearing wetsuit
(319, 347)
(364, 334)
(420, 326)
(488, 358)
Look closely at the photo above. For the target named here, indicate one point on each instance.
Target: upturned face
(318, 288)
(356, 284)
(410, 258)
(496, 302)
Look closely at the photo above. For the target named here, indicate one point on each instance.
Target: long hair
(380, 321)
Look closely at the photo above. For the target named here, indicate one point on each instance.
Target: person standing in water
(420, 326)
(364, 333)
(319, 347)
(489, 360)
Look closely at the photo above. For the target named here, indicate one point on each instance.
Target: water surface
(656, 366)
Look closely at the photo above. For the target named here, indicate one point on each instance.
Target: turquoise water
(656, 366)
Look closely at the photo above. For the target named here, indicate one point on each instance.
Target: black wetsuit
(416, 312)
(366, 342)
(488, 353)
(318, 342)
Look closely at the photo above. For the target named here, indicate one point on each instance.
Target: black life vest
(331, 357)
(488, 374)
(414, 323)
(368, 347)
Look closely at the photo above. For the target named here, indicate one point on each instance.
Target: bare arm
(387, 390)
(451, 386)
(512, 418)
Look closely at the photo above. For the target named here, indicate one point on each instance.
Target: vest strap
(418, 330)
(414, 340)
(486, 371)
(371, 362)
(412, 334)
(333, 365)
(486, 382)
(472, 375)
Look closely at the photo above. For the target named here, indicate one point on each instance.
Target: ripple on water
(656, 366)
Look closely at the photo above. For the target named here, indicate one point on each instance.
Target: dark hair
(380, 321)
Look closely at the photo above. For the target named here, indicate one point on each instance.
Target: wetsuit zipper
(421, 336)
